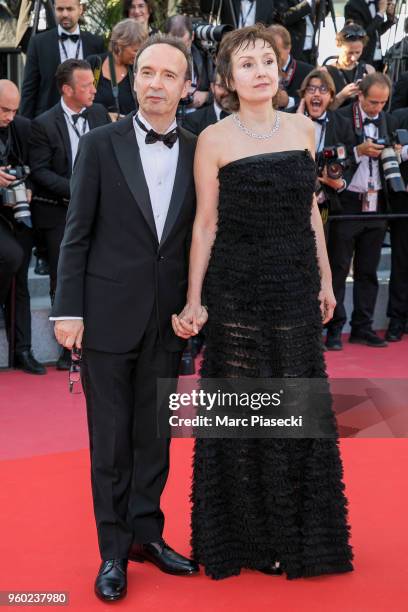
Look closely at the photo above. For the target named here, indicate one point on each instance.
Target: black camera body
(19, 172)
(334, 159)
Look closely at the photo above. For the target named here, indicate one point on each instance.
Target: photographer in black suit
(293, 72)
(300, 19)
(210, 114)
(47, 50)
(317, 93)
(244, 12)
(16, 236)
(367, 193)
(123, 274)
(54, 143)
(370, 15)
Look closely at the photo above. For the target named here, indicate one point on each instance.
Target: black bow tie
(319, 120)
(223, 114)
(375, 122)
(73, 37)
(83, 115)
(168, 139)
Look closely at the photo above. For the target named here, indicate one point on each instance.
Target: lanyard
(243, 19)
(74, 127)
(65, 51)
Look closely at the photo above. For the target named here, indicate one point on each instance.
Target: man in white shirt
(47, 50)
(366, 194)
(122, 274)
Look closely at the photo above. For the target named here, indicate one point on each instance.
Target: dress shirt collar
(218, 110)
(61, 30)
(365, 116)
(68, 110)
(149, 127)
(285, 67)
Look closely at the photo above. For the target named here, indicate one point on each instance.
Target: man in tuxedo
(122, 274)
(370, 14)
(202, 118)
(397, 309)
(53, 147)
(16, 234)
(244, 12)
(293, 71)
(47, 50)
(300, 19)
(366, 193)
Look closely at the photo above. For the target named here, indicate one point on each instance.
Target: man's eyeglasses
(312, 89)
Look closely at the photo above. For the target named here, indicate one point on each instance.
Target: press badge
(370, 198)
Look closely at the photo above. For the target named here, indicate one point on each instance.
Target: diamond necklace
(248, 132)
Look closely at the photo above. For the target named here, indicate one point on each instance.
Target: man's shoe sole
(366, 343)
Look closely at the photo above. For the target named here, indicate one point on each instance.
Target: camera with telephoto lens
(334, 159)
(390, 161)
(15, 195)
(210, 34)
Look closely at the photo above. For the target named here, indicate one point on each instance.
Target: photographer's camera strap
(289, 73)
(114, 83)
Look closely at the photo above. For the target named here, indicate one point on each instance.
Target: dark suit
(199, 120)
(292, 15)
(400, 93)
(264, 11)
(293, 78)
(397, 308)
(51, 166)
(126, 284)
(358, 11)
(16, 241)
(361, 238)
(39, 92)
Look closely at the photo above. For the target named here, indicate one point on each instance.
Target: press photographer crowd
(358, 101)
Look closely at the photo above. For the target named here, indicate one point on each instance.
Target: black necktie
(375, 122)
(168, 139)
(83, 115)
(73, 37)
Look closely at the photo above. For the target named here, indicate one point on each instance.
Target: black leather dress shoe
(111, 581)
(395, 331)
(26, 361)
(333, 341)
(164, 557)
(368, 338)
(64, 360)
(41, 267)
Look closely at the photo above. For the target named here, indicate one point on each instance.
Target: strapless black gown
(257, 501)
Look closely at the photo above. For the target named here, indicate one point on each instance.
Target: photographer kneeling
(377, 172)
(16, 238)
(334, 140)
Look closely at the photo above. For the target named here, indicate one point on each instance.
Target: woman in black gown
(274, 505)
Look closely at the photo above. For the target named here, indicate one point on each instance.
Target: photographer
(370, 15)
(181, 26)
(300, 19)
(210, 114)
(244, 12)
(334, 141)
(367, 193)
(53, 147)
(16, 238)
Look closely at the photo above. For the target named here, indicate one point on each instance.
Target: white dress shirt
(81, 126)
(291, 101)
(377, 53)
(359, 182)
(308, 44)
(70, 46)
(247, 13)
(318, 133)
(159, 166)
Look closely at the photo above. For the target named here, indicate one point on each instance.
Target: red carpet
(48, 540)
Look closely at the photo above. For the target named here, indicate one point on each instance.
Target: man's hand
(6, 179)
(199, 98)
(369, 148)
(282, 98)
(331, 182)
(69, 332)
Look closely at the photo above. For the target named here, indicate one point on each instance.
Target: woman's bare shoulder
(297, 121)
(215, 137)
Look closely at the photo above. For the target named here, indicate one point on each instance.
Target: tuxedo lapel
(181, 182)
(94, 118)
(62, 128)
(128, 155)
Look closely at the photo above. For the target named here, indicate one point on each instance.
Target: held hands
(327, 302)
(69, 332)
(190, 321)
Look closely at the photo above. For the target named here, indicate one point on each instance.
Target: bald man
(15, 236)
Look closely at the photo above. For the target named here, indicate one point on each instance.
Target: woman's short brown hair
(232, 42)
(325, 78)
(126, 33)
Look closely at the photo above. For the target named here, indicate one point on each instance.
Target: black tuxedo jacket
(291, 14)
(388, 124)
(51, 161)
(301, 71)
(197, 122)
(399, 201)
(264, 12)
(39, 92)
(400, 94)
(358, 11)
(112, 269)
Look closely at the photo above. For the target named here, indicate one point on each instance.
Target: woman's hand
(190, 321)
(327, 302)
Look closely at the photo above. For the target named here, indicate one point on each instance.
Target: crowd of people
(72, 85)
